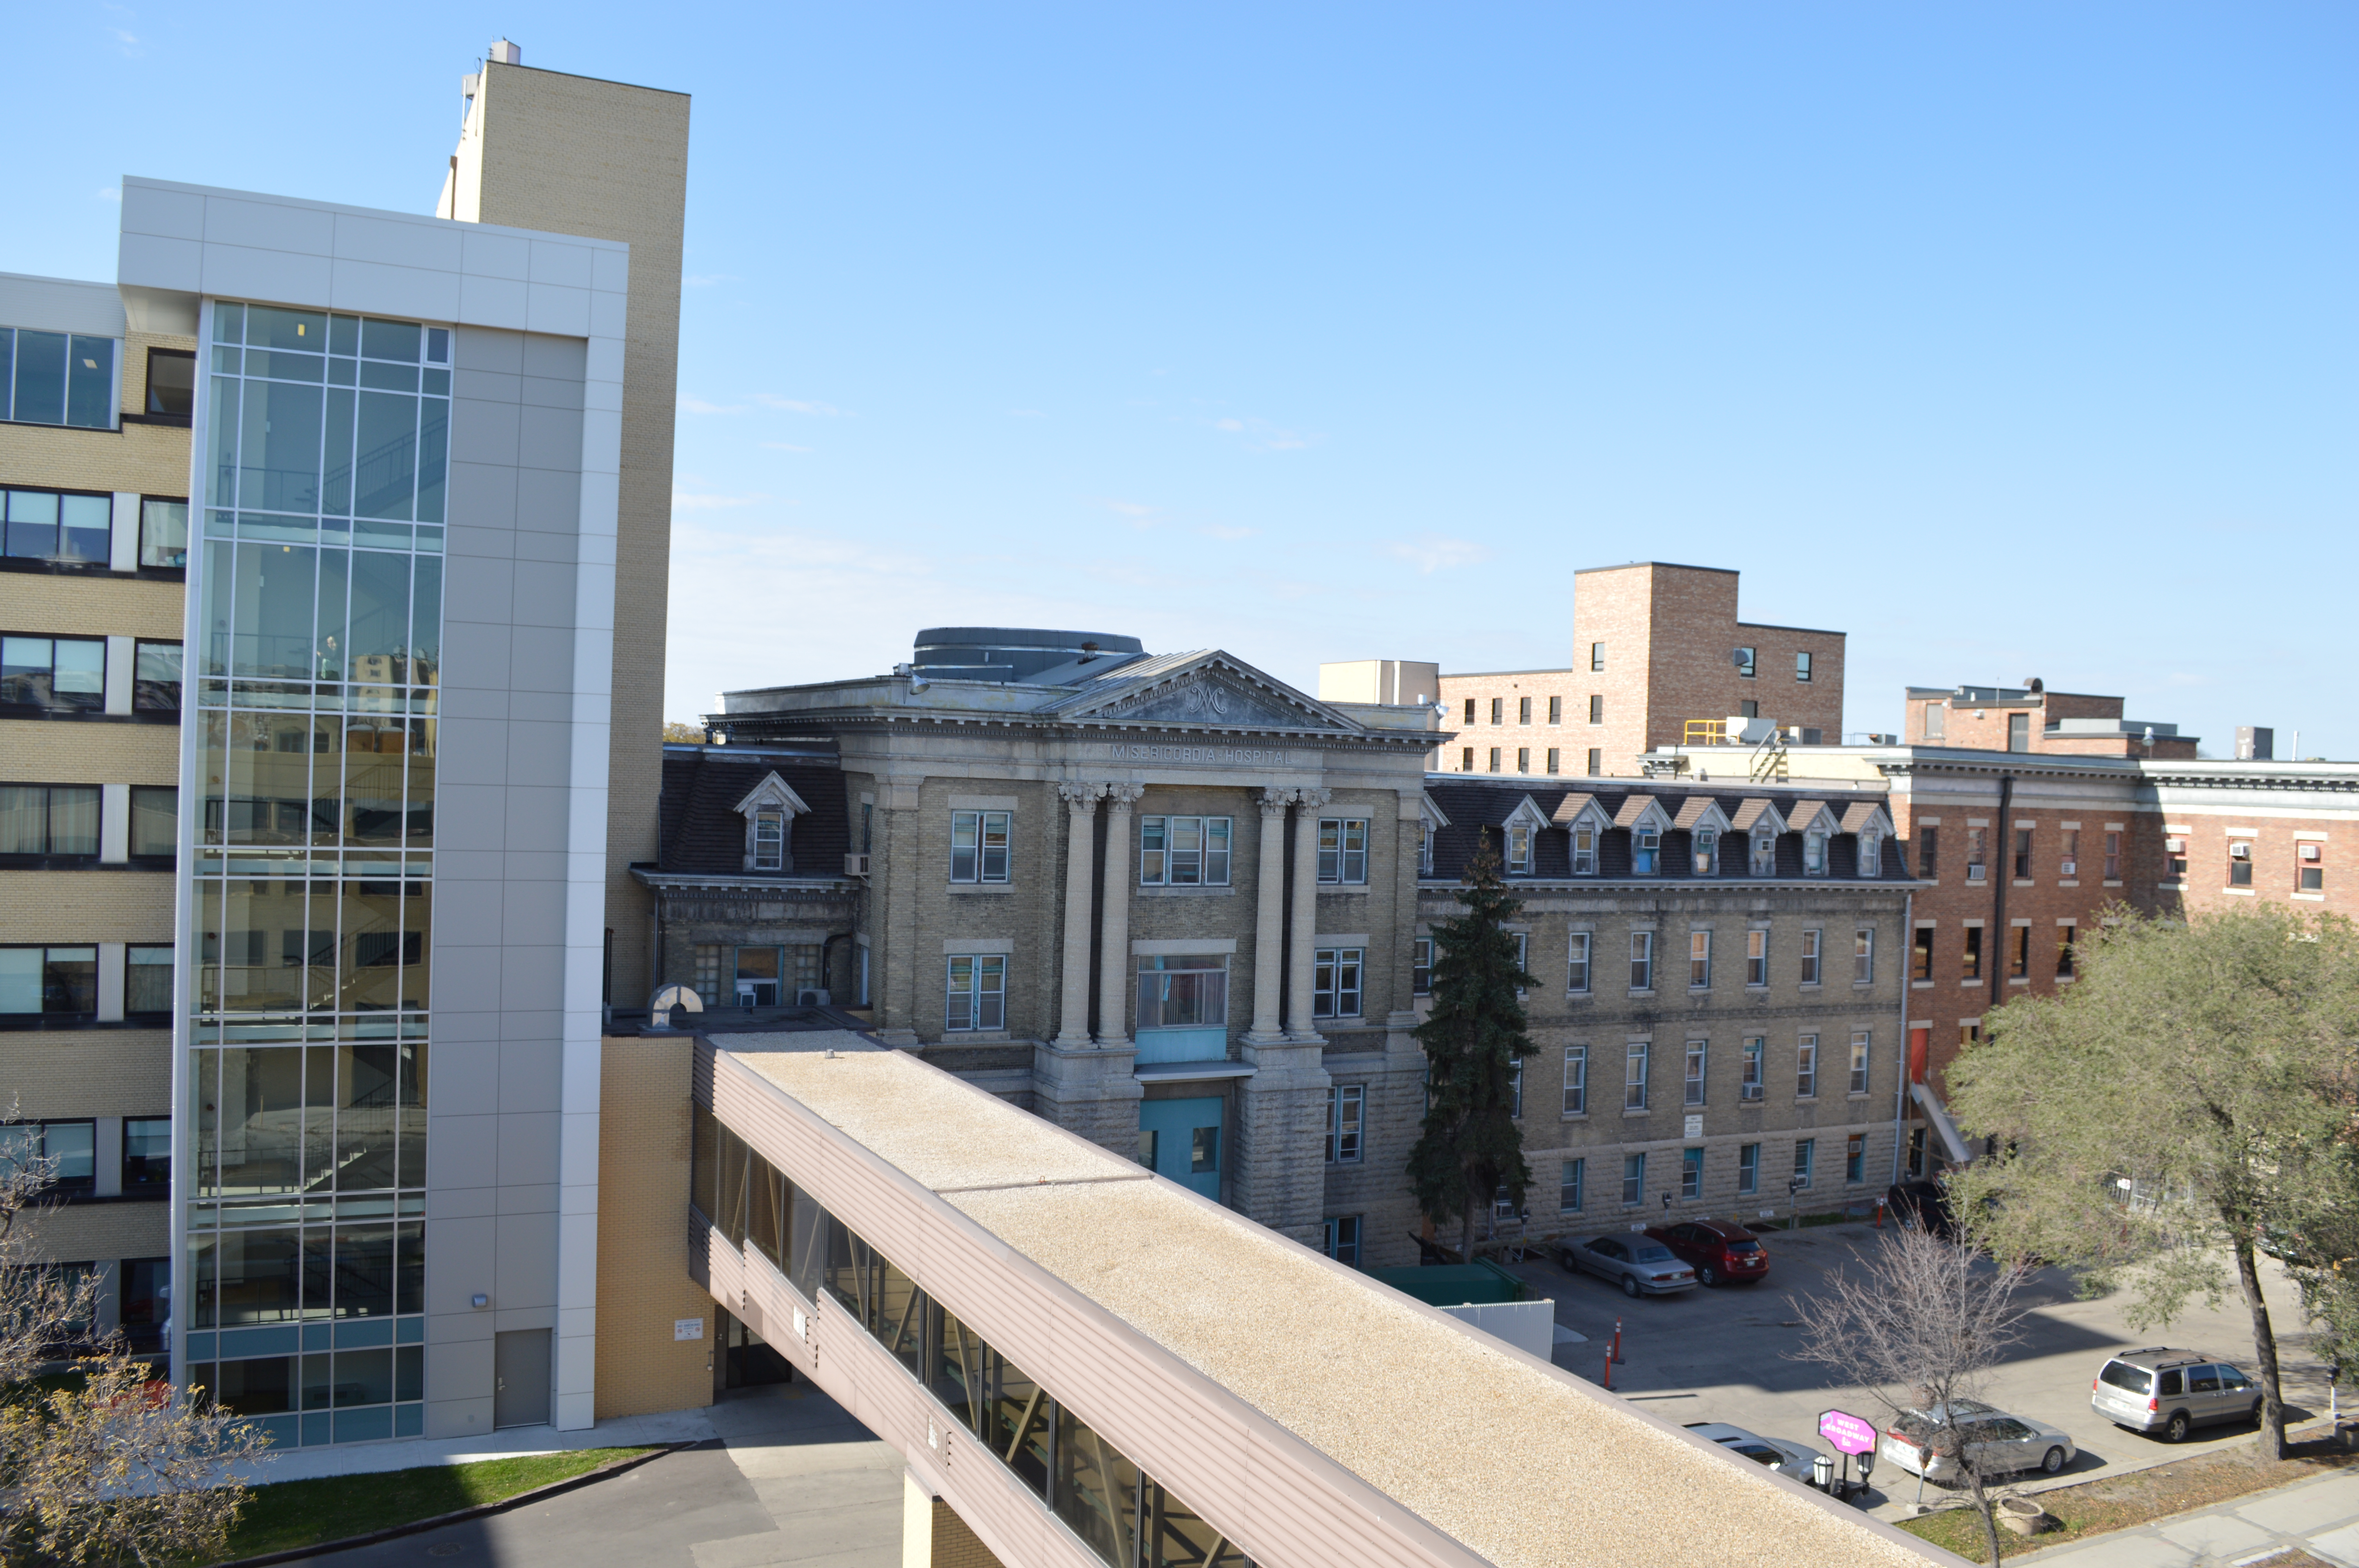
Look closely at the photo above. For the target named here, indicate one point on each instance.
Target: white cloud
(698, 405)
(796, 405)
(110, 193)
(1232, 426)
(1429, 553)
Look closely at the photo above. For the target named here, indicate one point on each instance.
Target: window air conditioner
(810, 996)
(2068, 867)
(855, 865)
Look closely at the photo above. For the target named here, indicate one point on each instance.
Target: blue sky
(2013, 339)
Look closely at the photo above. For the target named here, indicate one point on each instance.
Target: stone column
(1081, 822)
(1114, 916)
(1269, 920)
(1305, 911)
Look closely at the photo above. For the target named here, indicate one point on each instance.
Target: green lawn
(297, 1513)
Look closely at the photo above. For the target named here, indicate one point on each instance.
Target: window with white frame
(2309, 865)
(1810, 958)
(1425, 849)
(1522, 953)
(1633, 1180)
(1805, 1156)
(1698, 960)
(1645, 850)
(1814, 853)
(1576, 1080)
(1519, 849)
(1806, 1067)
(1749, 1081)
(1344, 848)
(1568, 1185)
(1693, 1083)
(1704, 852)
(1641, 960)
(1871, 855)
(976, 992)
(2240, 862)
(1863, 955)
(1634, 1076)
(1860, 1039)
(1183, 990)
(1576, 968)
(769, 839)
(1420, 966)
(1515, 1090)
(979, 846)
(1346, 1107)
(1765, 853)
(1343, 1239)
(1335, 982)
(1748, 1169)
(1584, 851)
(1184, 852)
(1691, 1175)
(1757, 957)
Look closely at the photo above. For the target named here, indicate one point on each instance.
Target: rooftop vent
(504, 53)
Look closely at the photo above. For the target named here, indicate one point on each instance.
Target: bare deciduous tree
(1920, 1321)
(109, 1466)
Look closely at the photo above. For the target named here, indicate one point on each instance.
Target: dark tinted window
(2170, 1385)
(1741, 1248)
(2203, 1380)
(171, 382)
(2131, 1380)
(1654, 1254)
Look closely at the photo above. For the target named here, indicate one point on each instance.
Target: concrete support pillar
(1269, 919)
(932, 1534)
(1080, 823)
(1113, 917)
(1305, 911)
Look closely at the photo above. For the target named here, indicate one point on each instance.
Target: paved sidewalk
(2320, 1516)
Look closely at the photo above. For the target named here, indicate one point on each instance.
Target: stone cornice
(711, 882)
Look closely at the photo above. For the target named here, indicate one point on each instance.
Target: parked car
(1999, 1444)
(1641, 1265)
(1923, 1205)
(2172, 1392)
(1775, 1454)
(1720, 1251)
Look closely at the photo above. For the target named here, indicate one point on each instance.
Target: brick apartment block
(1655, 646)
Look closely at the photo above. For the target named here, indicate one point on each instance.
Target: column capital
(1312, 799)
(1080, 797)
(1119, 796)
(1273, 801)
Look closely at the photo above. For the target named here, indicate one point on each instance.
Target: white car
(1771, 1453)
(2000, 1444)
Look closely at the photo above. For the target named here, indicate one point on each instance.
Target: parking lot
(1722, 1355)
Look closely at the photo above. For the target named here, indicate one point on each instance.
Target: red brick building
(2031, 718)
(1655, 646)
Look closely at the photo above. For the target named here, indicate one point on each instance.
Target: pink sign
(1848, 1433)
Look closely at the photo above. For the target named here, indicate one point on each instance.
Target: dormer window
(1519, 850)
(1425, 849)
(769, 809)
(1646, 851)
(1871, 855)
(1814, 853)
(769, 840)
(1765, 854)
(1706, 843)
(1584, 851)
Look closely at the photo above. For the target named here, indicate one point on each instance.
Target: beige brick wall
(152, 459)
(86, 1072)
(88, 605)
(642, 1282)
(81, 751)
(86, 906)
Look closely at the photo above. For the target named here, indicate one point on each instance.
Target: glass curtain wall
(318, 587)
(1126, 1516)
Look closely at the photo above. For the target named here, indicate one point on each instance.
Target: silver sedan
(2000, 1444)
(1641, 1265)
(1786, 1458)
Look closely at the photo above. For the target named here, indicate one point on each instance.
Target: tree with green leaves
(2182, 1108)
(1474, 1043)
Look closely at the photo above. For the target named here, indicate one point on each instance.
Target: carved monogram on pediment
(1203, 699)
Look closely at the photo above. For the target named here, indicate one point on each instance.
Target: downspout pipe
(2000, 936)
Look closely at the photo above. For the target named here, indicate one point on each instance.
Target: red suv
(1723, 1252)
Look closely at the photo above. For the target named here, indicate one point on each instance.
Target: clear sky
(2014, 339)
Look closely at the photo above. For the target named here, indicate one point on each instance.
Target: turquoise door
(1181, 1138)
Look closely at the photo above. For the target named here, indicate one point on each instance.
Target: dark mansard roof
(702, 833)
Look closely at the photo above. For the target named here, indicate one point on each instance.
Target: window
(163, 531)
(1855, 1159)
(1860, 1040)
(1184, 852)
(58, 379)
(977, 992)
(1469, 710)
(1523, 759)
(1937, 716)
(1597, 709)
(1691, 1175)
(1765, 853)
(1576, 1080)
(1554, 756)
(1744, 663)
(49, 819)
(1633, 1077)
(708, 972)
(1556, 710)
(1757, 957)
(53, 671)
(172, 383)
(1516, 1093)
(1810, 958)
(1692, 1083)
(1343, 846)
(1704, 852)
(1749, 1086)
(1806, 1067)
(1698, 960)
(1801, 666)
(979, 846)
(1183, 990)
(1499, 709)
(1805, 1156)
(48, 980)
(1972, 967)
(2064, 935)
(769, 839)
(2113, 857)
(156, 678)
(1420, 966)
(1576, 970)
(1597, 655)
(1495, 759)
(2309, 862)
(1584, 851)
(1646, 851)
(1465, 759)
(2022, 853)
(1871, 855)
(147, 1153)
(2019, 953)
(1346, 1104)
(1596, 762)
(1425, 849)
(146, 980)
(1975, 857)
(1863, 955)
(1633, 1180)
(1814, 854)
(1920, 954)
(2069, 865)
(1641, 960)
(1519, 849)
(73, 1145)
(1342, 1241)
(1335, 982)
(1749, 708)
(1522, 953)
(57, 525)
(2174, 852)
(2240, 862)
(1748, 1169)
(2018, 732)
(1523, 711)
(1568, 1185)
(1928, 852)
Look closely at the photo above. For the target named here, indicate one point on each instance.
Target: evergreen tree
(1473, 1041)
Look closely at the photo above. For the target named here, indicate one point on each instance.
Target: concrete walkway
(2320, 1516)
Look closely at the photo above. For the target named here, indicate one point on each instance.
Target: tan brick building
(1657, 649)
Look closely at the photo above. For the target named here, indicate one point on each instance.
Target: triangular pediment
(1207, 690)
(772, 791)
